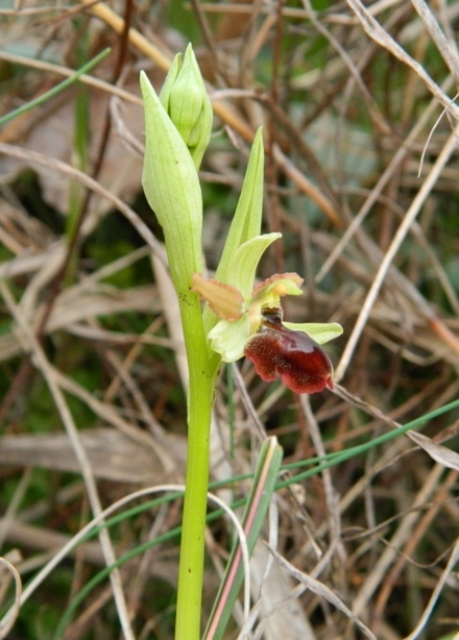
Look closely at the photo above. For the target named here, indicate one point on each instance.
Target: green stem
(200, 399)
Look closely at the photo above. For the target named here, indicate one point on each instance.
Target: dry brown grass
(91, 362)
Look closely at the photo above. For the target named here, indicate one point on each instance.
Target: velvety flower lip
(301, 364)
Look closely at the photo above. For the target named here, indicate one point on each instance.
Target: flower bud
(185, 99)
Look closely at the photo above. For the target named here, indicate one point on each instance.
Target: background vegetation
(363, 187)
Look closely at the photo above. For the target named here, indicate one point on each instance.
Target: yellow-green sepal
(229, 338)
(321, 332)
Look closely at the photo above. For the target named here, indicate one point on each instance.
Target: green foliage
(181, 19)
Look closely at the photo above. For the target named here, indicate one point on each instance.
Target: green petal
(320, 332)
(229, 338)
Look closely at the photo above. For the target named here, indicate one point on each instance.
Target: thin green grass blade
(55, 90)
(333, 459)
(320, 463)
(253, 519)
(104, 573)
(81, 143)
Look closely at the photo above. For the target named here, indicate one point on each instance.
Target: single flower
(251, 324)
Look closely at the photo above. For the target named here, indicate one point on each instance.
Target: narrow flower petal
(282, 284)
(302, 365)
(224, 300)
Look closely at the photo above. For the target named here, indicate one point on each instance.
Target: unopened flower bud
(185, 99)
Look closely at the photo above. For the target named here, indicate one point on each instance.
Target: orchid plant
(239, 317)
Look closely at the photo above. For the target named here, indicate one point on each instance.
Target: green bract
(172, 188)
(246, 223)
(245, 227)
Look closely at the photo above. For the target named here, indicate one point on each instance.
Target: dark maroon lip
(293, 356)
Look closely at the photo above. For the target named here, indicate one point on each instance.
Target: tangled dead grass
(361, 180)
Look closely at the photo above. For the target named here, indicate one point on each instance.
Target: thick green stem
(200, 399)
